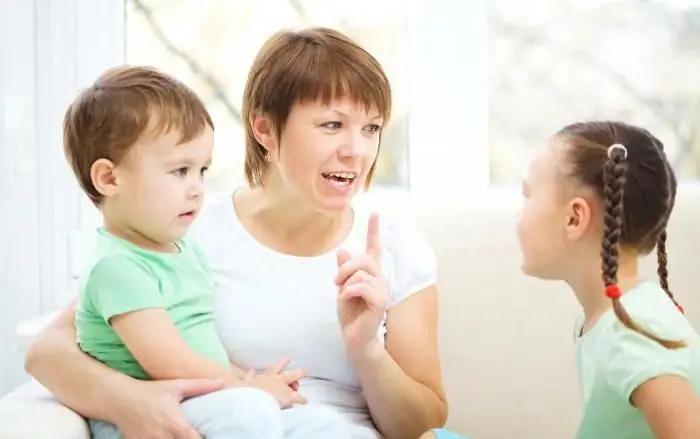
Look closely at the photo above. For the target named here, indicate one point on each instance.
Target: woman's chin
(334, 202)
(334, 205)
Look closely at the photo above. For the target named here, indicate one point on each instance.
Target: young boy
(139, 143)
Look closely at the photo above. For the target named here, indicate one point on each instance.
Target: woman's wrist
(118, 397)
(371, 351)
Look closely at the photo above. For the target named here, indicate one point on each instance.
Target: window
(552, 62)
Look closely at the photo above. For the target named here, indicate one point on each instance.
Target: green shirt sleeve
(120, 284)
(634, 359)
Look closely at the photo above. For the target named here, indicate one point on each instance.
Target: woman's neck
(589, 288)
(287, 226)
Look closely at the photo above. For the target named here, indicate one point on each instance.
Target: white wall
(43, 44)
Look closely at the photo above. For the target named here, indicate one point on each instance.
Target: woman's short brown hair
(311, 65)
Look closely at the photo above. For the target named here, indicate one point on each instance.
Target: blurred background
(550, 62)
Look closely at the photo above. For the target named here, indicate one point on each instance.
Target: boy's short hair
(311, 65)
(123, 105)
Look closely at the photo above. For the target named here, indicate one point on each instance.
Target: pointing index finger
(373, 246)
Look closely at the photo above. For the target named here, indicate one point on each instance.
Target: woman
(300, 272)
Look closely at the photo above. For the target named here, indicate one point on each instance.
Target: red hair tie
(613, 292)
(680, 308)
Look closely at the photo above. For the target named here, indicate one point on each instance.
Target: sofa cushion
(31, 412)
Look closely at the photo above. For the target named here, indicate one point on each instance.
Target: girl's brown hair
(638, 189)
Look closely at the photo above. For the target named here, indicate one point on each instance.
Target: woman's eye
(373, 129)
(332, 125)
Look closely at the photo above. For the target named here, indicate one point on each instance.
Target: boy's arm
(127, 295)
(156, 344)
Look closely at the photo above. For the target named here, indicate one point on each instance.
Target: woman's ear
(578, 218)
(263, 131)
(104, 178)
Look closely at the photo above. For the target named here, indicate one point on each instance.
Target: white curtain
(49, 49)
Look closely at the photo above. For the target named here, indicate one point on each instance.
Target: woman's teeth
(340, 177)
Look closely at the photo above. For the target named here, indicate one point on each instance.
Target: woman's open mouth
(340, 178)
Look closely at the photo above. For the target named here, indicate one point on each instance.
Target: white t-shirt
(269, 305)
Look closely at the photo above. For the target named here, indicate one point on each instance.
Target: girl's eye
(203, 170)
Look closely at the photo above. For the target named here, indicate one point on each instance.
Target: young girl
(596, 199)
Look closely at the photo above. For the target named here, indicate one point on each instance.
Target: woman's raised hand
(363, 292)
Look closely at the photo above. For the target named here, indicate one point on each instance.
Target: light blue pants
(441, 433)
(248, 413)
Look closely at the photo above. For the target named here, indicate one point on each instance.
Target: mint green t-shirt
(122, 277)
(612, 361)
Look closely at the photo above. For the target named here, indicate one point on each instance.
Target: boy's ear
(104, 178)
(578, 218)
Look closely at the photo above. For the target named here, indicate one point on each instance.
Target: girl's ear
(578, 218)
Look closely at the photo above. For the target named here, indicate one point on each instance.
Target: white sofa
(506, 340)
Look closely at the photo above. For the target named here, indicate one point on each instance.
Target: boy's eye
(203, 170)
(180, 172)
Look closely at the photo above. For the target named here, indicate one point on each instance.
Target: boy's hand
(241, 373)
(281, 384)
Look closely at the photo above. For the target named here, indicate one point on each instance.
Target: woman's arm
(402, 383)
(81, 383)
(139, 409)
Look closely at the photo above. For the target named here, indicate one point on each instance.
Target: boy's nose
(196, 190)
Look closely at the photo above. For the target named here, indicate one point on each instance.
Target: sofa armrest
(31, 412)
